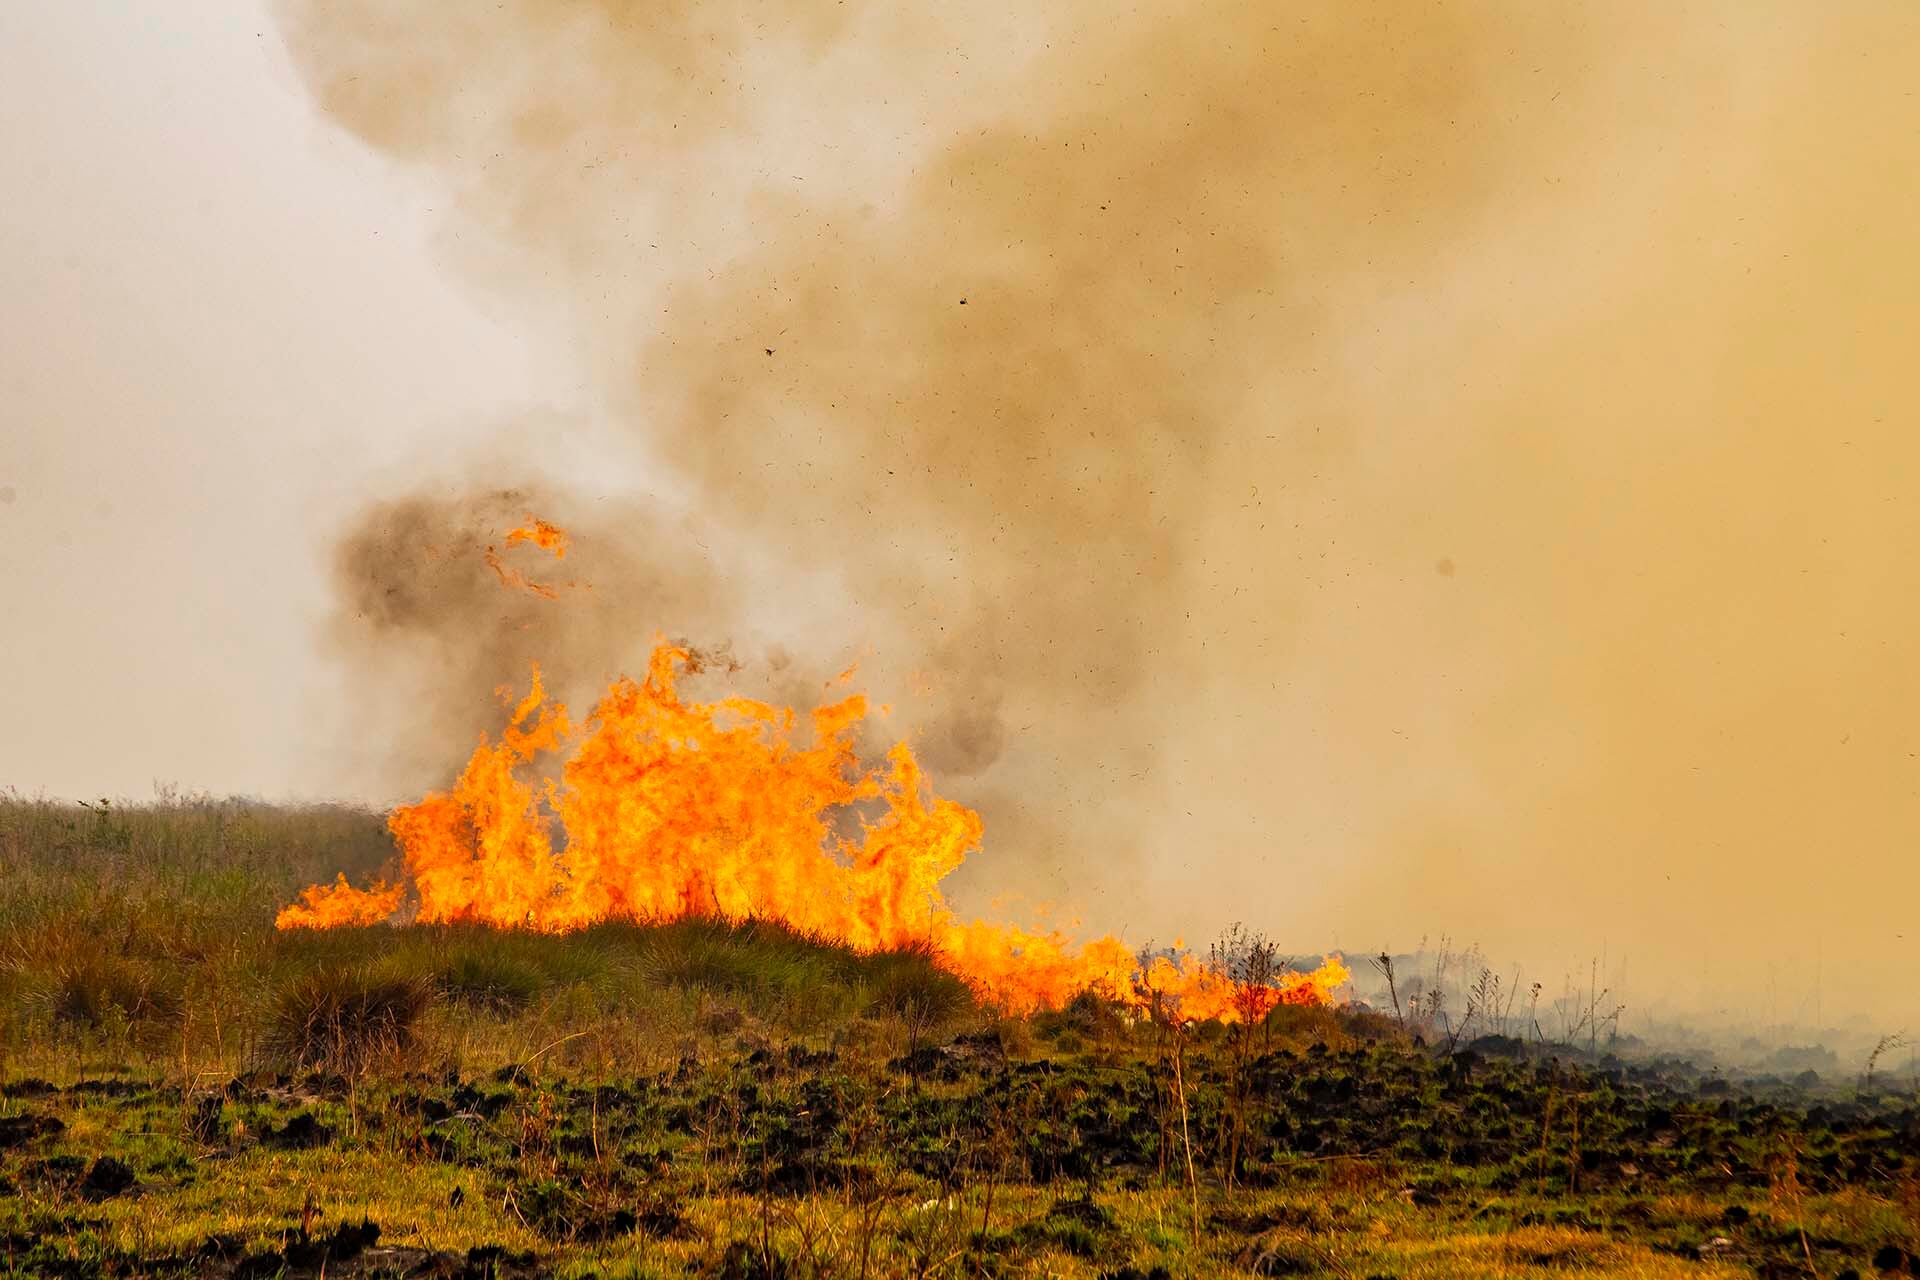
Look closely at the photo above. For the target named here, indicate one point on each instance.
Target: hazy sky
(1394, 473)
(218, 318)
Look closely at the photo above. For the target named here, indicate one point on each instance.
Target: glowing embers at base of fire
(673, 809)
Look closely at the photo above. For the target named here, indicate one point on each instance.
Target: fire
(670, 808)
(322, 906)
(548, 537)
(518, 581)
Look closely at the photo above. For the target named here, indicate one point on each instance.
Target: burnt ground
(1656, 1156)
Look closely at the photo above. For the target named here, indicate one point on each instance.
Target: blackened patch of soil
(302, 1133)
(106, 1179)
(16, 1131)
(351, 1251)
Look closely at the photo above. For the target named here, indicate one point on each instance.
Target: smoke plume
(1369, 456)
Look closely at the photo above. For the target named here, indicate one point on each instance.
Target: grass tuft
(345, 1019)
(101, 991)
(908, 984)
(490, 978)
(750, 958)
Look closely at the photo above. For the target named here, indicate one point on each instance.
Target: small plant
(1251, 964)
(908, 985)
(1091, 1016)
(345, 1019)
(749, 958)
(1483, 1002)
(1884, 1045)
(1383, 964)
(1163, 1011)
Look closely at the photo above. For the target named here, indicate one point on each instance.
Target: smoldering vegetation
(1452, 995)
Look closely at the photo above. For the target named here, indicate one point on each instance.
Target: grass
(492, 980)
(98, 992)
(710, 1098)
(346, 1020)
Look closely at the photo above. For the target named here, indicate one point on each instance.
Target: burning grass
(658, 809)
(191, 1091)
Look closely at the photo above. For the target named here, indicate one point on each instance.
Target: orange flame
(673, 809)
(323, 906)
(512, 577)
(548, 537)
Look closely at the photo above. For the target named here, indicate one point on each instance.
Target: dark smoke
(433, 630)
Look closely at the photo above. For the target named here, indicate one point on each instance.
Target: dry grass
(346, 1020)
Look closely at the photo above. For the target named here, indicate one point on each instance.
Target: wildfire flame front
(672, 809)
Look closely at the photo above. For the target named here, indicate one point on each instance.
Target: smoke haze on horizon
(1368, 473)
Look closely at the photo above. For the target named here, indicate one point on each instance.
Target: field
(189, 1092)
